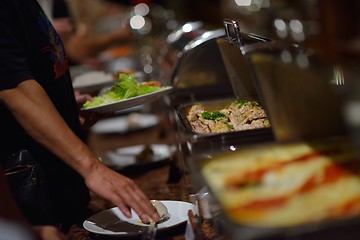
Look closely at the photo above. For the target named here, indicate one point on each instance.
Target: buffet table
(160, 180)
(294, 112)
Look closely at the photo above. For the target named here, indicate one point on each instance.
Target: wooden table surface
(157, 180)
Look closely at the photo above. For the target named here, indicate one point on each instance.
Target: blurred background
(322, 24)
(331, 27)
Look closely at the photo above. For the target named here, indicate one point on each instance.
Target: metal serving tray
(347, 228)
(198, 142)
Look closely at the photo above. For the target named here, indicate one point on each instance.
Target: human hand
(49, 232)
(81, 98)
(121, 191)
(87, 119)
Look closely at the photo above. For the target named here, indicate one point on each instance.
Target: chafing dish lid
(299, 89)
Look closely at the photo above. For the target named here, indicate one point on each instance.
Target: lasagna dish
(286, 185)
(237, 116)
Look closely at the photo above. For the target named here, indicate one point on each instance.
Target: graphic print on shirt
(55, 47)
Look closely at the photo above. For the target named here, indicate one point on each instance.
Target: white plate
(123, 157)
(123, 124)
(178, 214)
(92, 81)
(130, 102)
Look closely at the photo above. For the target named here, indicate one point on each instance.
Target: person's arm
(33, 109)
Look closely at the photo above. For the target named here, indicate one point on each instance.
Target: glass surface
(300, 91)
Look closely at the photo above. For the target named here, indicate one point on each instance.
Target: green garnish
(231, 127)
(242, 103)
(212, 115)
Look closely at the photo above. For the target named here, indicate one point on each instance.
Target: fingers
(82, 98)
(122, 192)
(87, 119)
(124, 209)
(143, 207)
(135, 199)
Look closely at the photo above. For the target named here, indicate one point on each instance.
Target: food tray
(341, 227)
(199, 142)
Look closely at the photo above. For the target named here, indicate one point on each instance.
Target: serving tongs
(232, 31)
(235, 61)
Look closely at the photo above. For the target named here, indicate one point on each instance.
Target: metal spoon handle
(150, 232)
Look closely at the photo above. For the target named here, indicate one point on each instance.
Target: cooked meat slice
(260, 123)
(218, 127)
(256, 123)
(194, 112)
(200, 127)
(225, 111)
(244, 113)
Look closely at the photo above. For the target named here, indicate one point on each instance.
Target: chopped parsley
(242, 103)
(213, 115)
(253, 103)
(230, 126)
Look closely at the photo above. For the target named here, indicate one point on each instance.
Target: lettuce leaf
(125, 88)
(145, 89)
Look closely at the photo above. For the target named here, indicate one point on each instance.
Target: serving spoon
(164, 214)
(161, 209)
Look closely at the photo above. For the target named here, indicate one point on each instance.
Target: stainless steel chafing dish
(302, 96)
(201, 75)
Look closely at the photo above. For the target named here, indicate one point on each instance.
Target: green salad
(125, 88)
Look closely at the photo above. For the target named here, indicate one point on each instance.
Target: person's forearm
(33, 109)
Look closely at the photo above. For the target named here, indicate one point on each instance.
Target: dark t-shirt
(31, 49)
